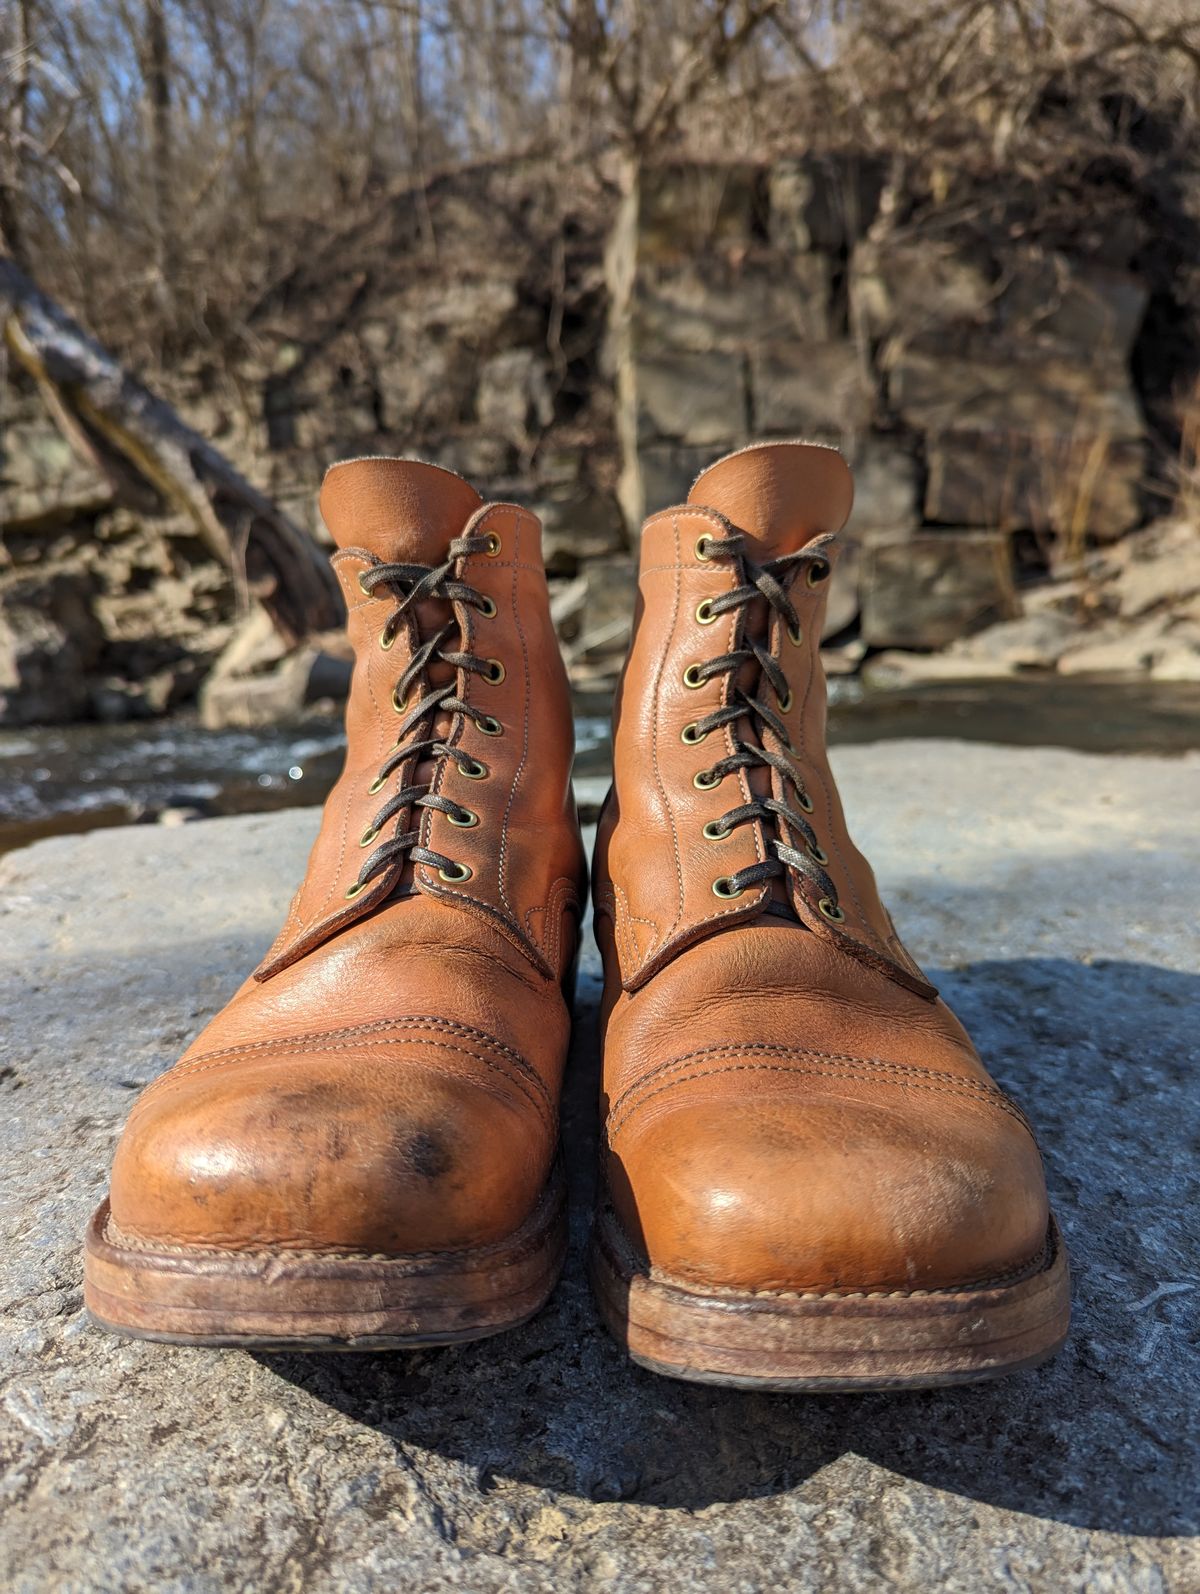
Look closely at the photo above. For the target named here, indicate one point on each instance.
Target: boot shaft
(710, 675)
(455, 655)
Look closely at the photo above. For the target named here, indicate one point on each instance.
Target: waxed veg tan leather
(788, 1106)
(388, 1081)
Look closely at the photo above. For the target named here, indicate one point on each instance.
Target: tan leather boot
(360, 1150)
(810, 1179)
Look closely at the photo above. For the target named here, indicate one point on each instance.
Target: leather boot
(361, 1149)
(810, 1181)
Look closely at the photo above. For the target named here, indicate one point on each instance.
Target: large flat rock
(1053, 895)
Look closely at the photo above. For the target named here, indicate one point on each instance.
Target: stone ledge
(1053, 896)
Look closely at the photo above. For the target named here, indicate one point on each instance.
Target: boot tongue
(401, 510)
(780, 494)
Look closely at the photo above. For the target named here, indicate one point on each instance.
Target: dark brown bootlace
(771, 581)
(411, 584)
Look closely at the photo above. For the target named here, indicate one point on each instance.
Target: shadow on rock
(1102, 1056)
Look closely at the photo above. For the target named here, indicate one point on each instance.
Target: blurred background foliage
(576, 250)
(169, 164)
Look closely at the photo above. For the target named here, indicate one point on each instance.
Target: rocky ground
(1052, 894)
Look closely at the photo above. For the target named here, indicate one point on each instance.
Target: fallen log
(137, 440)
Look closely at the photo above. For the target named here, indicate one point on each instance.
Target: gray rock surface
(1054, 897)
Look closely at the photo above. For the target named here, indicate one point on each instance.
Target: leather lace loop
(419, 702)
(795, 845)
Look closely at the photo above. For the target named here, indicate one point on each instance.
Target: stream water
(61, 779)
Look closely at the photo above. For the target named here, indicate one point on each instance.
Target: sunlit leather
(787, 1104)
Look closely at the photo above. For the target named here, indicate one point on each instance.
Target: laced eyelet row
(793, 832)
(418, 702)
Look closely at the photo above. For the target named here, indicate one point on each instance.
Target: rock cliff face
(990, 381)
(982, 386)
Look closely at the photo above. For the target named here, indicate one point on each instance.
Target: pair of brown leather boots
(809, 1180)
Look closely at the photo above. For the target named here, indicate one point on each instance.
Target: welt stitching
(636, 1095)
(1035, 1264)
(617, 1122)
(374, 1027)
(126, 1239)
(776, 1049)
(173, 1078)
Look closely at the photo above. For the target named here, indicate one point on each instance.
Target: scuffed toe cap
(395, 1155)
(829, 1185)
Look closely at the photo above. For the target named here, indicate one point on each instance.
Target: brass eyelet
(805, 801)
(487, 608)
(377, 785)
(366, 591)
(495, 672)
(355, 890)
(817, 574)
(795, 637)
(830, 910)
(714, 830)
(817, 854)
(490, 726)
(690, 736)
(386, 639)
(704, 613)
(369, 835)
(692, 677)
(700, 554)
(785, 702)
(468, 823)
(463, 872)
(705, 780)
(493, 546)
(474, 771)
(723, 887)
(398, 703)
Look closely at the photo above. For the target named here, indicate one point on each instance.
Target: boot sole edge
(827, 1343)
(280, 1300)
